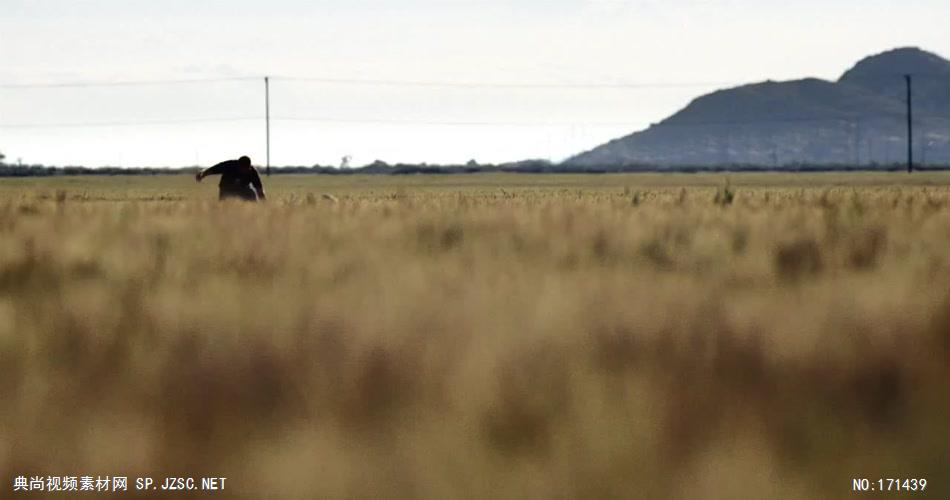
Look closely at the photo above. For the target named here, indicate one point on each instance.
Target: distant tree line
(379, 167)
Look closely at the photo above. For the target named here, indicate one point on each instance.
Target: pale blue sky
(557, 42)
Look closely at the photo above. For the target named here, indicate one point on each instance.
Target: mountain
(858, 120)
(931, 75)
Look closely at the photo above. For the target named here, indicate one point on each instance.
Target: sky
(437, 81)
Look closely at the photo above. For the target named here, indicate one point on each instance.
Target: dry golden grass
(480, 336)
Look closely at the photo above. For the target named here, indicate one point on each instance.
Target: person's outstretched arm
(217, 169)
(258, 186)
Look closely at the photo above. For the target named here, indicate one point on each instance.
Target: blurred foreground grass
(480, 336)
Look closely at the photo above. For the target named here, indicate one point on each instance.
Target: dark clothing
(245, 193)
(237, 181)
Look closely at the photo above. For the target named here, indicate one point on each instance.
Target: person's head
(245, 162)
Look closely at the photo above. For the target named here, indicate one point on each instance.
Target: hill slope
(858, 120)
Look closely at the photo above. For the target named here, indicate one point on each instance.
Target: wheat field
(480, 336)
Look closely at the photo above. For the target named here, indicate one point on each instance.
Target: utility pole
(267, 118)
(856, 138)
(910, 128)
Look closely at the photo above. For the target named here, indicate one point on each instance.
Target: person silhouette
(239, 179)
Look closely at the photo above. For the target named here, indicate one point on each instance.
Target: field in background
(482, 336)
(290, 187)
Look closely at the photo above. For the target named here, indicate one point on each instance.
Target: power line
(127, 123)
(500, 85)
(764, 121)
(396, 121)
(372, 82)
(900, 75)
(414, 83)
(120, 83)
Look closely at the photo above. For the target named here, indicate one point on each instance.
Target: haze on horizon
(713, 43)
